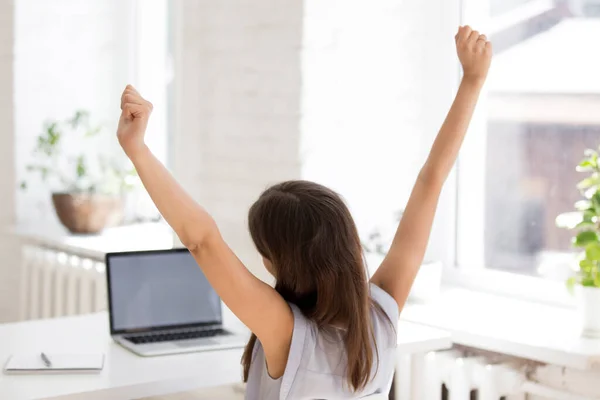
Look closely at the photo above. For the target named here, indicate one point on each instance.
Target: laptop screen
(159, 289)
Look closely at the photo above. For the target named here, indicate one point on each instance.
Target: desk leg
(432, 382)
(417, 376)
(402, 380)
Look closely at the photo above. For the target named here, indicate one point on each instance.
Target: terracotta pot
(87, 213)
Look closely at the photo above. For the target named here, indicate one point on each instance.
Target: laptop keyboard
(172, 336)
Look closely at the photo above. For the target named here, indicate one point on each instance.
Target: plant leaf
(81, 117)
(585, 238)
(586, 166)
(93, 131)
(81, 167)
(586, 266)
(583, 205)
(591, 181)
(590, 153)
(23, 185)
(588, 281)
(596, 202)
(569, 220)
(592, 252)
(584, 224)
(571, 282)
(589, 215)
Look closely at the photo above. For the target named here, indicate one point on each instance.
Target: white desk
(127, 376)
(414, 342)
(416, 338)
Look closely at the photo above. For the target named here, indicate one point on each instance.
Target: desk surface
(126, 375)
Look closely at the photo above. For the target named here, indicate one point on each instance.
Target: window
(367, 107)
(538, 114)
(79, 56)
(152, 74)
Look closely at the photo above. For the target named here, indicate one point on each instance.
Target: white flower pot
(588, 307)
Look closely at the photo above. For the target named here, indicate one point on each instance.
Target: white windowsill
(135, 237)
(534, 331)
(511, 285)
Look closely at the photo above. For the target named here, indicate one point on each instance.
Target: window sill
(551, 291)
(529, 330)
(144, 236)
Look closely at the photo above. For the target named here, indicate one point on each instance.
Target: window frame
(445, 238)
(145, 30)
(151, 23)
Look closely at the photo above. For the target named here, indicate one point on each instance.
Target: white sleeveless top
(317, 363)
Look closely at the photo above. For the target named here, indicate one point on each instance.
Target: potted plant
(87, 184)
(428, 281)
(585, 221)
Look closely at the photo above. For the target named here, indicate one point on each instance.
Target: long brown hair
(307, 233)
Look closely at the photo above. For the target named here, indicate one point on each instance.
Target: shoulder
(386, 302)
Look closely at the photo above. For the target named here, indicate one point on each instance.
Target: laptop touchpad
(195, 343)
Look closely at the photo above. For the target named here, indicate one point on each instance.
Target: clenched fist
(135, 112)
(474, 52)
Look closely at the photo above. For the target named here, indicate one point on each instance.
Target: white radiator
(472, 374)
(484, 378)
(454, 375)
(56, 284)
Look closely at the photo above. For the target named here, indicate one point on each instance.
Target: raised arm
(399, 268)
(255, 303)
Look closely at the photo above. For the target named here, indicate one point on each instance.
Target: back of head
(309, 238)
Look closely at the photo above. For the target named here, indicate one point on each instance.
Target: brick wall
(348, 94)
(237, 96)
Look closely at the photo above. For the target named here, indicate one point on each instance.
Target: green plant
(67, 158)
(586, 223)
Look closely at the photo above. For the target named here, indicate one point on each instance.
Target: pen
(46, 360)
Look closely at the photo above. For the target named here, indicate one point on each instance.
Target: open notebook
(65, 363)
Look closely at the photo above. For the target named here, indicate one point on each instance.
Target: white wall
(237, 106)
(68, 54)
(7, 203)
(8, 272)
(378, 78)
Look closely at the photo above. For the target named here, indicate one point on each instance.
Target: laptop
(160, 302)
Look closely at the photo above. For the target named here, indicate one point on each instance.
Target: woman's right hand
(134, 120)
(474, 52)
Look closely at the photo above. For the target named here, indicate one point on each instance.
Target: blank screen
(160, 289)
